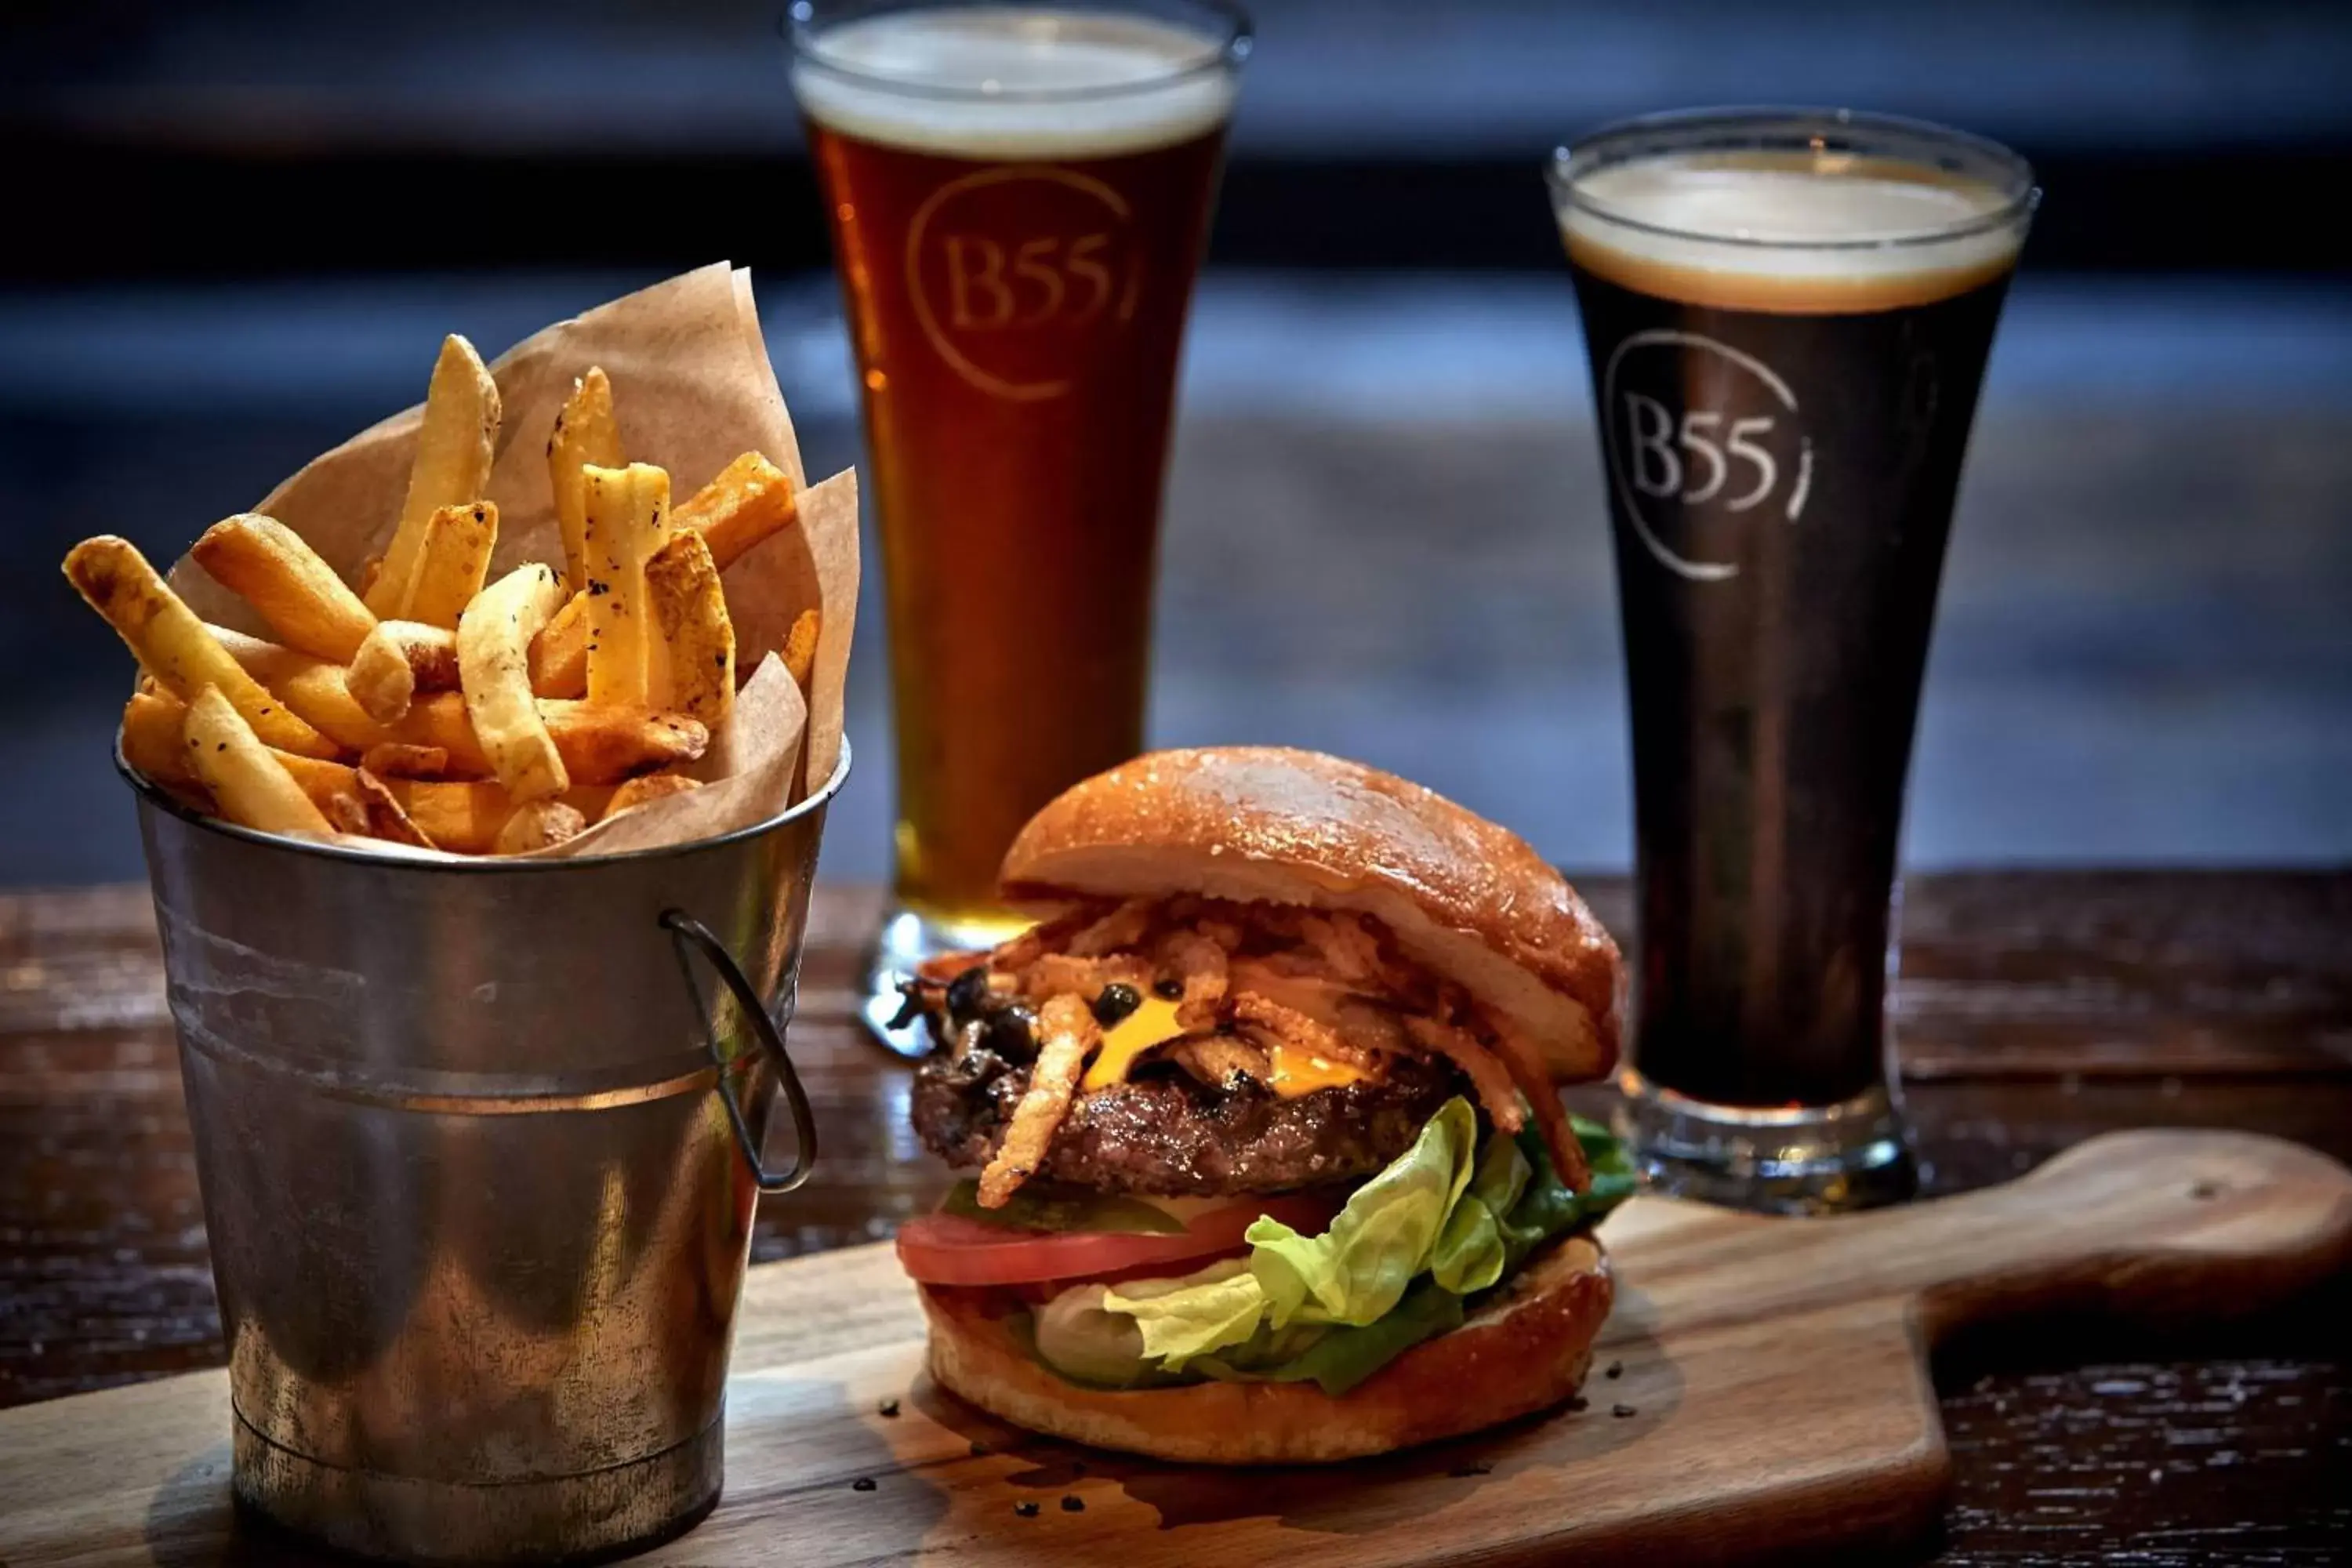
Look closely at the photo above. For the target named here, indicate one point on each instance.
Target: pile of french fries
(430, 706)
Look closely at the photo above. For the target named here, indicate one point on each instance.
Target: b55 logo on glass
(1013, 269)
(1700, 436)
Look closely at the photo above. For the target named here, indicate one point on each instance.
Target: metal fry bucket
(480, 1147)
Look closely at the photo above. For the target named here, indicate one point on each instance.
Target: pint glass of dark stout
(1019, 195)
(1788, 315)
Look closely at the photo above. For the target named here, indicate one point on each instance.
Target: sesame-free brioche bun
(1463, 897)
(1526, 1350)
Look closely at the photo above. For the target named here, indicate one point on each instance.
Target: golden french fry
(174, 645)
(559, 656)
(462, 817)
(627, 516)
(751, 499)
(384, 816)
(317, 690)
(799, 648)
(453, 562)
(599, 742)
(398, 760)
(151, 741)
(252, 787)
(649, 788)
(690, 608)
(396, 661)
(345, 812)
(453, 447)
(585, 432)
(603, 743)
(494, 674)
(275, 569)
(537, 824)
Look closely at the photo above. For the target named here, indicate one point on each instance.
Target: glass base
(908, 937)
(1817, 1160)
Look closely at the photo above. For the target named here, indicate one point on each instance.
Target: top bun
(1466, 898)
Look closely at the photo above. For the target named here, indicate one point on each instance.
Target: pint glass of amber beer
(1019, 195)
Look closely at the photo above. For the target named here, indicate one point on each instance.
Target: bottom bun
(1526, 1350)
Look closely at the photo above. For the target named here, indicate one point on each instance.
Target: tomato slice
(949, 1249)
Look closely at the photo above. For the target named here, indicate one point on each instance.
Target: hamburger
(1271, 1166)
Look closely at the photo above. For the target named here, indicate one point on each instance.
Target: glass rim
(2010, 175)
(1228, 47)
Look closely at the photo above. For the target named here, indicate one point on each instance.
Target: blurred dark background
(241, 228)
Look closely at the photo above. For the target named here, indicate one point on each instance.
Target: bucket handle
(686, 931)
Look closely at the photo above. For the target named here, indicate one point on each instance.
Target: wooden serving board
(1773, 1397)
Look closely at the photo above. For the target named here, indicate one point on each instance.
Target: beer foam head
(1831, 232)
(1016, 81)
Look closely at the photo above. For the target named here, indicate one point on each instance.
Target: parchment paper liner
(692, 388)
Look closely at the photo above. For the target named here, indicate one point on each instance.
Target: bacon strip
(1071, 1036)
(1493, 1083)
(1525, 1059)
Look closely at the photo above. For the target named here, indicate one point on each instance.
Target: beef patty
(1175, 1137)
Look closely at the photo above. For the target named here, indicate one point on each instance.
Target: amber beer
(1788, 317)
(1017, 259)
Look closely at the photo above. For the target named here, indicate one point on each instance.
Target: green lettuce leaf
(1338, 1358)
(1416, 1247)
(1181, 1318)
(1357, 1271)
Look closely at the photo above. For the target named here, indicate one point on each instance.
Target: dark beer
(1786, 348)
(1017, 269)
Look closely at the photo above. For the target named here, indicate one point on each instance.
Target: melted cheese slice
(1152, 1025)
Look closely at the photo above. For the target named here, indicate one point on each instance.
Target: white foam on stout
(1776, 232)
(952, 82)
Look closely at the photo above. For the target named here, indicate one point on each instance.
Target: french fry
(799, 648)
(599, 742)
(453, 562)
(585, 432)
(455, 443)
(751, 499)
(538, 824)
(690, 608)
(317, 690)
(151, 740)
(627, 513)
(275, 569)
(346, 813)
(494, 674)
(250, 786)
(177, 648)
(397, 660)
(649, 788)
(384, 816)
(603, 743)
(397, 760)
(464, 819)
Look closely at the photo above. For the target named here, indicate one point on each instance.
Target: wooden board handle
(2149, 1223)
(2154, 1223)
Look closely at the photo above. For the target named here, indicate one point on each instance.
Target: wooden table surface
(2035, 1010)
